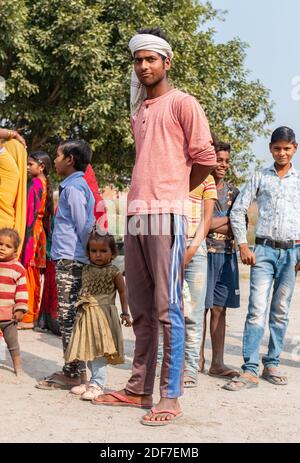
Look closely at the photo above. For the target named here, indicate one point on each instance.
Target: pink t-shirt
(171, 134)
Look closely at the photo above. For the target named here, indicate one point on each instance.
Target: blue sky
(272, 29)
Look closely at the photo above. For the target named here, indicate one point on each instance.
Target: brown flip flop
(226, 374)
(123, 401)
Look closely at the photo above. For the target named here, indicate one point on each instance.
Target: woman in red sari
(38, 216)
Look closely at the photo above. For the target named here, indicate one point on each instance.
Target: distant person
(13, 296)
(97, 334)
(73, 224)
(273, 262)
(174, 154)
(222, 271)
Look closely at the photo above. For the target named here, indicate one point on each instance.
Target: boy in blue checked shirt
(73, 223)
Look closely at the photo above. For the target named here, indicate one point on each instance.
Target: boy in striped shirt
(13, 293)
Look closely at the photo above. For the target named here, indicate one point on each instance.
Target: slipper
(175, 414)
(275, 378)
(51, 382)
(226, 374)
(189, 381)
(248, 382)
(123, 401)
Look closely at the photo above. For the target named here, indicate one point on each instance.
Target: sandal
(122, 400)
(174, 415)
(247, 381)
(226, 374)
(276, 377)
(189, 380)
(54, 382)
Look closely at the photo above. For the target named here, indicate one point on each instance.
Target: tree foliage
(67, 68)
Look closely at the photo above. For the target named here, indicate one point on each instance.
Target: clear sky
(272, 29)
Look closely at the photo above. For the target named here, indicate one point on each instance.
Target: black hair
(13, 234)
(159, 33)
(155, 31)
(80, 150)
(41, 157)
(222, 146)
(107, 238)
(283, 134)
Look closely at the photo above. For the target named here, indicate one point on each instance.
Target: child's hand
(125, 320)
(18, 315)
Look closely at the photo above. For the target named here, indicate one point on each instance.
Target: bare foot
(201, 364)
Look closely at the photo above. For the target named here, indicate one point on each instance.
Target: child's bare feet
(17, 365)
(201, 363)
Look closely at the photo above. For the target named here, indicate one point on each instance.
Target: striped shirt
(13, 289)
(207, 190)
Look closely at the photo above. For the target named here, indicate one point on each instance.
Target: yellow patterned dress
(97, 330)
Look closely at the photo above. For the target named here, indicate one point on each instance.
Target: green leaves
(67, 68)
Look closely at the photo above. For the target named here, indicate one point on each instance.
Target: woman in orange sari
(38, 218)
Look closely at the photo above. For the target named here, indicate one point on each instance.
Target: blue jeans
(195, 275)
(98, 368)
(272, 266)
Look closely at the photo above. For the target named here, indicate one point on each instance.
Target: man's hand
(247, 256)
(190, 252)
(20, 139)
(18, 315)
(297, 266)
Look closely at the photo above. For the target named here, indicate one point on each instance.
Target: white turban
(144, 42)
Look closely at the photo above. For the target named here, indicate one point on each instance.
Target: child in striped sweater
(13, 293)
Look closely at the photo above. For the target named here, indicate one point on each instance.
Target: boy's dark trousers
(69, 282)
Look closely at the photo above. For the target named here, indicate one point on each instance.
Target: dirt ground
(211, 414)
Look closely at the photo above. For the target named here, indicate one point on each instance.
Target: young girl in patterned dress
(38, 217)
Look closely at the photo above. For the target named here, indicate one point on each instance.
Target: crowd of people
(184, 225)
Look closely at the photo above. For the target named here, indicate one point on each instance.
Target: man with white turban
(174, 154)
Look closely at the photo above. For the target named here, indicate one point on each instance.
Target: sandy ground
(211, 414)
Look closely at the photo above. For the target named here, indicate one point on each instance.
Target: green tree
(67, 68)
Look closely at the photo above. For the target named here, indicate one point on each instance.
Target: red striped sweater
(13, 289)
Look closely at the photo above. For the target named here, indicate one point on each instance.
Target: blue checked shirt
(278, 201)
